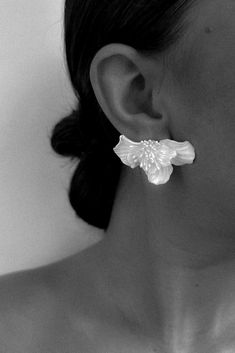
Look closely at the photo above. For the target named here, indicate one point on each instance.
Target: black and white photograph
(117, 176)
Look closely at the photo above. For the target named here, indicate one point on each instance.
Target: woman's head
(147, 70)
(151, 27)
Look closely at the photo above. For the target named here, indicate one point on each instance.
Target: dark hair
(149, 26)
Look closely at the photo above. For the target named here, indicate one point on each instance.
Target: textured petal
(129, 152)
(165, 154)
(160, 176)
(185, 152)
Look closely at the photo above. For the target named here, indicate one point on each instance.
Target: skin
(169, 251)
(163, 277)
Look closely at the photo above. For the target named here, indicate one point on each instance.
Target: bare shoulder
(27, 309)
(22, 287)
(62, 308)
(37, 307)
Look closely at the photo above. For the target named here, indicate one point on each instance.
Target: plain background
(37, 224)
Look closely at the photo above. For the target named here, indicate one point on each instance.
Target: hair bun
(68, 138)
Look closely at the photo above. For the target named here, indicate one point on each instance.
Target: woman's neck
(165, 263)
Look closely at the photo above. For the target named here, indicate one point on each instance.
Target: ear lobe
(120, 80)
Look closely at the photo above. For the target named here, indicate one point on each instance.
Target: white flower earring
(155, 158)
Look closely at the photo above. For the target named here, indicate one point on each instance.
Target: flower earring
(155, 158)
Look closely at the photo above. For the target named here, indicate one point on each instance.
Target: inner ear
(139, 82)
(137, 100)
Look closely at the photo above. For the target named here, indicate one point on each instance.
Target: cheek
(202, 111)
(204, 69)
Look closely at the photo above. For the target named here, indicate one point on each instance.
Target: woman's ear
(127, 85)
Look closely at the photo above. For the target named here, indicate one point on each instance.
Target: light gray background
(37, 224)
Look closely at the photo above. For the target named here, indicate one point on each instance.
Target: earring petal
(128, 151)
(159, 176)
(185, 153)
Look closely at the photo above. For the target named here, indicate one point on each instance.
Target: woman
(162, 279)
